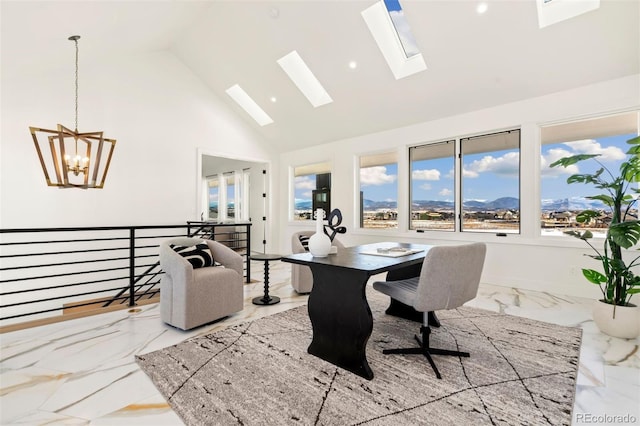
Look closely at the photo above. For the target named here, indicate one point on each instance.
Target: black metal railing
(46, 272)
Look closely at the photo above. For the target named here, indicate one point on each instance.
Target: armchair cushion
(199, 255)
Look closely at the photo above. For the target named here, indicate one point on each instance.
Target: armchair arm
(174, 265)
(227, 257)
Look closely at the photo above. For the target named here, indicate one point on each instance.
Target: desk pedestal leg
(341, 319)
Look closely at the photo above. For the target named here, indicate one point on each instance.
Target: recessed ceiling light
(301, 75)
(249, 105)
(273, 99)
(353, 65)
(482, 8)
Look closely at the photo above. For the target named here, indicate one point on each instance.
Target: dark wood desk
(338, 309)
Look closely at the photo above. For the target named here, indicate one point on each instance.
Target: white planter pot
(626, 323)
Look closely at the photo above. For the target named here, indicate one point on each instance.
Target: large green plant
(618, 283)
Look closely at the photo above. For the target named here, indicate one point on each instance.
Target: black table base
(341, 326)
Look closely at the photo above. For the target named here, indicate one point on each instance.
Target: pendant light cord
(75, 40)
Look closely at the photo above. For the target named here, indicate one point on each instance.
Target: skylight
(304, 79)
(392, 34)
(403, 31)
(553, 11)
(249, 105)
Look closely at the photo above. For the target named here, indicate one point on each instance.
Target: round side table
(266, 258)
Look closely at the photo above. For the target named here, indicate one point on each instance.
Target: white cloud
(469, 174)
(404, 32)
(304, 182)
(551, 156)
(590, 146)
(376, 175)
(425, 186)
(445, 192)
(586, 146)
(506, 165)
(430, 174)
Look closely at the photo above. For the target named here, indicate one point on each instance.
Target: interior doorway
(234, 190)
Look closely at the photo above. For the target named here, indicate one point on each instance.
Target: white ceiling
(474, 61)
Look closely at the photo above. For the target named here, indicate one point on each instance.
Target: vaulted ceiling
(474, 61)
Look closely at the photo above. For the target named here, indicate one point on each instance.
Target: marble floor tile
(83, 371)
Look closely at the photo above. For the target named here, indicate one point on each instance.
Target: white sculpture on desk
(319, 243)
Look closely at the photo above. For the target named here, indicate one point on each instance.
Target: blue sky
(489, 176)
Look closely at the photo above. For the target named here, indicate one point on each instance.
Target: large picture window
(311, 189)
(561, 202)
(491, 182)
(432, 198)
(379, 191)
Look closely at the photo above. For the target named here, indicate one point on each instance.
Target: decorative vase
(319, 243)
(625, 325)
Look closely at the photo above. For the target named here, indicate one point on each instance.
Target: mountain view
(504, 203)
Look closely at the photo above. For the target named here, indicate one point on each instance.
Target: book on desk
(392, 251)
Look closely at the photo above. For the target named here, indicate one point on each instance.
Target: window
(311, 189)
(228, 195)
(379, 191)
(433, 186)
(488, 198)
(561, 202)
(491, 182)
(213, 186)
(230, 183)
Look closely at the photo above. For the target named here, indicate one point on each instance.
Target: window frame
(576, 129)
(460, 176)
(455, 184)
(458, 172)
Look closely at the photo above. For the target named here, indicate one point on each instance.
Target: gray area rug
(521, 372)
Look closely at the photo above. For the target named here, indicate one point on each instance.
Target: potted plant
(613, 314)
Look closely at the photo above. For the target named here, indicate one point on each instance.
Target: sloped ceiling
(474, 61)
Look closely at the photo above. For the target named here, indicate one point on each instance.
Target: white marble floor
(83, 371)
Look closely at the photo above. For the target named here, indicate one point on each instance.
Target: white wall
(526, 260)
(160, 114)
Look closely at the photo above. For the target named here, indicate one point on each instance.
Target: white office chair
(449, 278)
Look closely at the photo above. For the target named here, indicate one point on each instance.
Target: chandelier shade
(72, 159)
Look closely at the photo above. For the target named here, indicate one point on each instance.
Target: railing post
(248, 228)
(132, 266)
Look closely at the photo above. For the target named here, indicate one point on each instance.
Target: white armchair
(191, 297)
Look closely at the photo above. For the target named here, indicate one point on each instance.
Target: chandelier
(77, 160)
